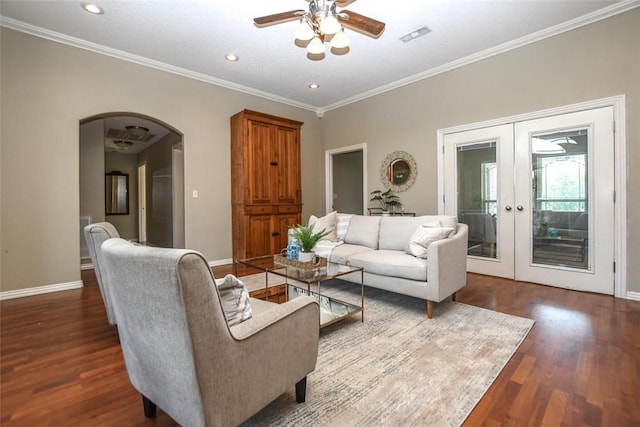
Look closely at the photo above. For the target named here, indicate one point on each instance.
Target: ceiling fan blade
(278, 18)
(343, 3)
(360, 23)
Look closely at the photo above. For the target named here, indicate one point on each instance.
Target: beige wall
(50, 87)
(91, 166)
(592, 62)
(47, 88)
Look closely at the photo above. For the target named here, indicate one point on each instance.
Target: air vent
(125, 134)
(415, 34)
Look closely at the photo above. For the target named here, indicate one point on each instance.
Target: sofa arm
(447, 264)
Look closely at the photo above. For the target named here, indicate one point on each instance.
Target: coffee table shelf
(332, 310)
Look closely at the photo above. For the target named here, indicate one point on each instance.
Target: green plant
(306, 237)
(385, 198)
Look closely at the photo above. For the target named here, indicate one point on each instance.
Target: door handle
(507, 208)
(520, 208)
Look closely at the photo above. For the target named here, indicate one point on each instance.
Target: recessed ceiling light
(231, 57)
(314, 86)
(92, 8)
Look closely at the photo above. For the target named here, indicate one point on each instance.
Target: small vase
(306, 256)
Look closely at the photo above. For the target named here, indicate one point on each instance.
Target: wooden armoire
(265, 182)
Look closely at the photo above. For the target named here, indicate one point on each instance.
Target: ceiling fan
(323, 23)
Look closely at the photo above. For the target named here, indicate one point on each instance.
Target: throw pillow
(235, 299)
(327, 222)
(342, 225)
(424, 236)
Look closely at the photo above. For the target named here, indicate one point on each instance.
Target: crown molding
(573, 24)
(598, 15)
(136, 59)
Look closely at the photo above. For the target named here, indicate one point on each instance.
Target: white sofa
(380, 245)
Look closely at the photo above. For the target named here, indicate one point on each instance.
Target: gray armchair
(95, 235)
(179, 350)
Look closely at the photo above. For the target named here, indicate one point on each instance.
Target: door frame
(618, 103)
(328, 173)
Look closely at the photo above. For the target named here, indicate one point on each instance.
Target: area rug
(398, 367)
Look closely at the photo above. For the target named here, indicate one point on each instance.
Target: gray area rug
(398, 367)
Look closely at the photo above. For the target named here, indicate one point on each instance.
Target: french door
(538, 197)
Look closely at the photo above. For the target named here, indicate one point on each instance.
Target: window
(489, 188)
(560, 183)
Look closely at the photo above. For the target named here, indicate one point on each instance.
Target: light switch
(195, 194)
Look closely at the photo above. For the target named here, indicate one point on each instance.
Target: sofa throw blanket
(235, 299)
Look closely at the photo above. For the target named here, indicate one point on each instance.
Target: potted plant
(307, 240)
(386, 199)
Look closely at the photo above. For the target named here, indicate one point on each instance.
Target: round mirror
(398, 171)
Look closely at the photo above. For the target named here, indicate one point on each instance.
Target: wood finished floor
(61, 363)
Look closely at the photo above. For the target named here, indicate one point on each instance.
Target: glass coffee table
(332, 310)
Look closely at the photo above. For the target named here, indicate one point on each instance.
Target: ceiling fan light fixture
(304, 31)
(329, 25)
(340, 40)
(122, 145)
(315, 47)
(137, 131)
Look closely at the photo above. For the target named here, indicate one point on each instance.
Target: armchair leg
(149, 407)
(301, 390)
(430, 309)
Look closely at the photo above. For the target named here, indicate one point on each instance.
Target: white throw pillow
(235, 299)
(342, 225)
(327, 222)
(426, 234)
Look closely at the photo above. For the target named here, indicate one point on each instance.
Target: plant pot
(386, 213)
(306, 256)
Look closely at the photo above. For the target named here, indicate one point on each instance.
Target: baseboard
(219, 262)
(633, 295)
(38, 290)
(87, 266)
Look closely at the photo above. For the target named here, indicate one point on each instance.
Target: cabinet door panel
(288, 171)
(282, 223)
(260, 154)
(258, 235)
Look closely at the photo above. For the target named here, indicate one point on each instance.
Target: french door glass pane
(477, 188)
(560, 198)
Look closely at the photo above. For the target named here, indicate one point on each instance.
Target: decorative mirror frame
(384, 170)
(116, 184)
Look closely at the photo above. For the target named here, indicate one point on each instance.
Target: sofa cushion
(391, 263)
(327, 223)
(363, 230)
(235, 299)
(424, 236)
(342, 253)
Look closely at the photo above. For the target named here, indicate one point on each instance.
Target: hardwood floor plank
(61, 362)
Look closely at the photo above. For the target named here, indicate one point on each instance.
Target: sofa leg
(453, 296)
(149, 407)
(301, 390)
(430, 309)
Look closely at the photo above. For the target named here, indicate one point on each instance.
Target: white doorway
(538, 196)
(345, 172)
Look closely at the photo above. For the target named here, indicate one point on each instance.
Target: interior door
(478, 183)
(547, 188)
(565, 200)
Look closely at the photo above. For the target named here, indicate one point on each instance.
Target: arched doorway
(120, 143)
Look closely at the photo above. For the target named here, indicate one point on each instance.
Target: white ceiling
(191, 38)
